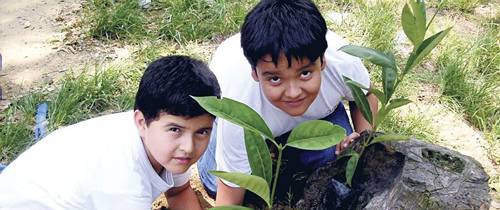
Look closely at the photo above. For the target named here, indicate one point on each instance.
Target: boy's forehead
(167, 118)
(282, 58)
(164, 114)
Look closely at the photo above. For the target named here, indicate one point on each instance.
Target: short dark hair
(168, 83)
(294, 27)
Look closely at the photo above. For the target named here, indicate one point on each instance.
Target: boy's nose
(187, 144)
(293, 90)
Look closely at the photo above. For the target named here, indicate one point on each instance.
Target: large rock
(401, 175)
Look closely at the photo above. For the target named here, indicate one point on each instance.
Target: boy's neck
(156, 166)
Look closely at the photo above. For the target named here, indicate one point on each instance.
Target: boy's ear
(140, 122)
(323, 64)
(254, 75)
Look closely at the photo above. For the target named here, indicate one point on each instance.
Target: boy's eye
(204, 132)
(274, 79)
(174, 129)
(305, 74)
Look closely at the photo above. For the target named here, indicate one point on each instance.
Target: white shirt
(95, 164)
(234, 75)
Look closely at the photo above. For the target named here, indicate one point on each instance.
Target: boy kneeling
(123, 160)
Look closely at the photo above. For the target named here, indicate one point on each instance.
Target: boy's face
(174, 142)
(291, 89)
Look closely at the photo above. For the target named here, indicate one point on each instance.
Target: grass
(177, 20)
(109, 19)
(187, 20)
(369, 25)
(16, 132)
(155, 49)
(78, 97)
(86, 95)
(410, 125)
(459, 5)
(470, 78)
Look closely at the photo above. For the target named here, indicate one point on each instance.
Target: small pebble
(27, 24)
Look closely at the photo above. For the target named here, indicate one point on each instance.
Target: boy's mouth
(294, 103)
(183, 160)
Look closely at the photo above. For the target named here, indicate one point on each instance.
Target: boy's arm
(182, 197)
(227, 195)
(360, 124)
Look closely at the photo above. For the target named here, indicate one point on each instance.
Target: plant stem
(437, 10)
(274, 142)
(367, 142)
(275, 182)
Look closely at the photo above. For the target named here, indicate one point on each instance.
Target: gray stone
(401, 175)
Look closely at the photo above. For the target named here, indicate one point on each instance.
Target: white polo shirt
(95, 164)
(234, 75)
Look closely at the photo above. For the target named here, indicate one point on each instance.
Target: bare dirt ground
(42, 40)
(31, 43)
(36, 50)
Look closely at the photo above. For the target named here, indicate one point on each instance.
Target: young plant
(413, 20)
(310, 135)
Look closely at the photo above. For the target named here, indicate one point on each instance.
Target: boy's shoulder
(338, 61)
(103, 123)
(233, 41)
(90, 153)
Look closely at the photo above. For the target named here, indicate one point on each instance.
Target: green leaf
(408, 21)
(418, 8)
(378, 93)
(254, 184)
(360, 99)
(315, 135)
(258, 155)
(374, 56)
(230, 208)
(389, 76)
(389, 137)
(424, 49)
(235, 112)
(413, 19)
(398, 102)
(422, 14)
(356, 83)
(351, 168)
